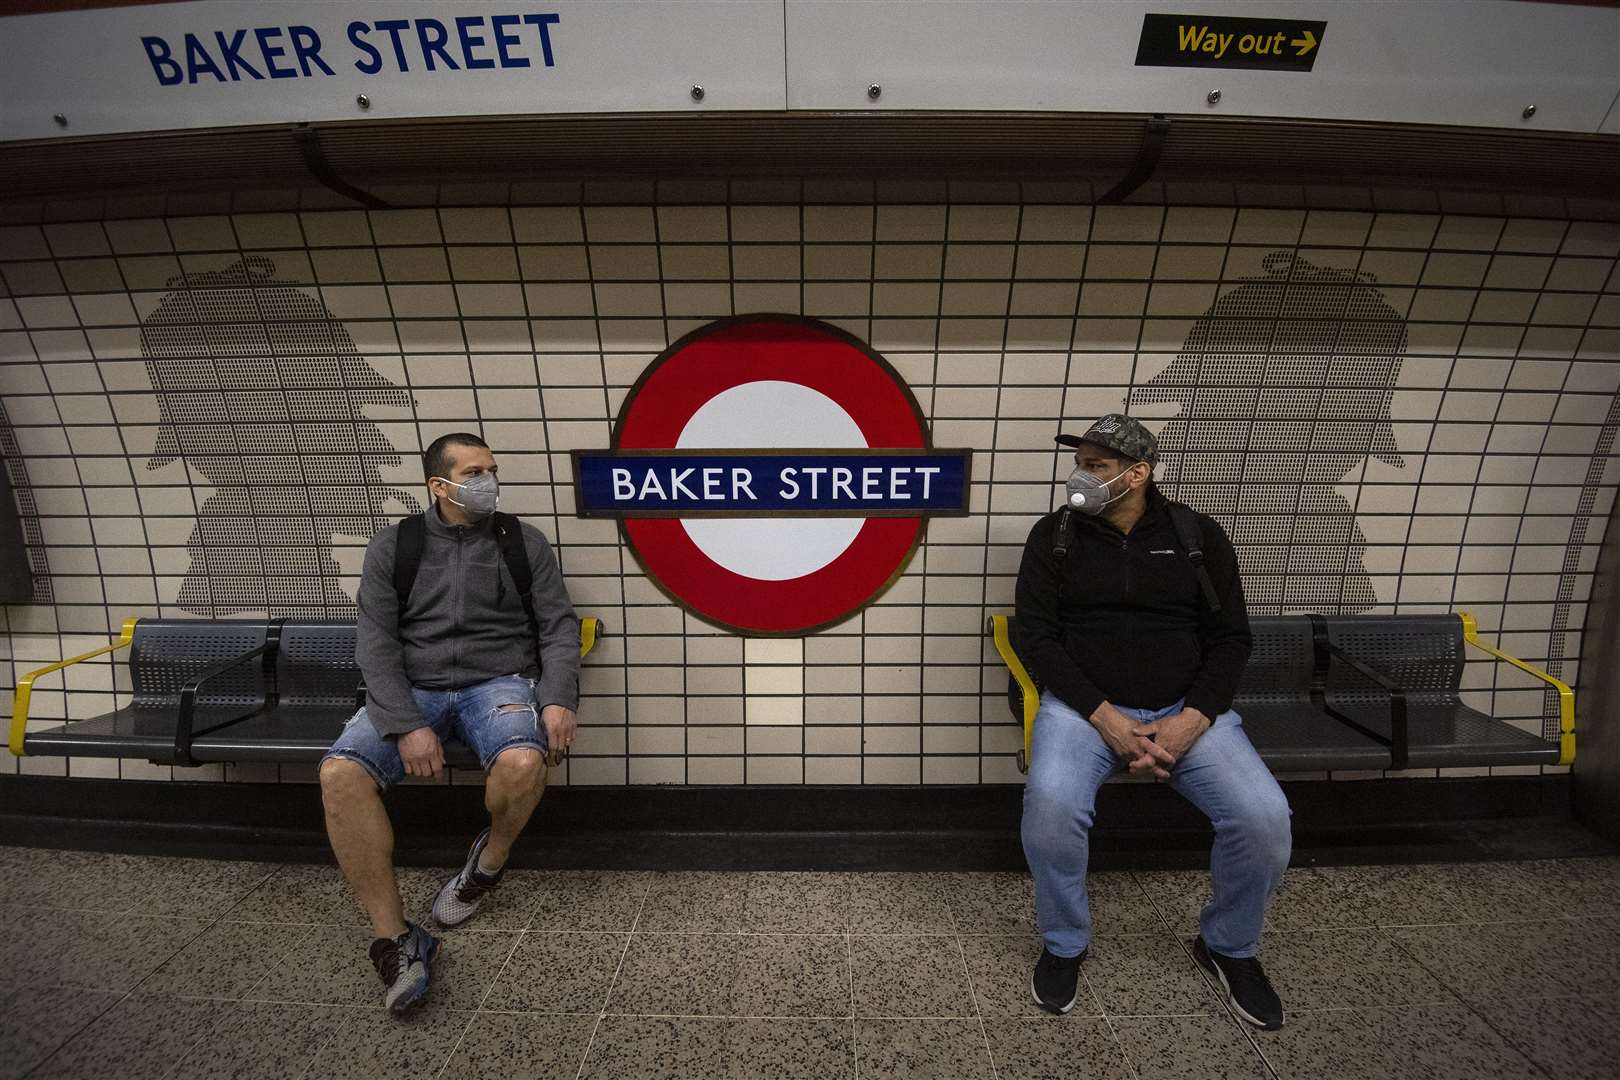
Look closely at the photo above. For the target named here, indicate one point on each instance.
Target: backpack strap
(1060, 544)
(509, 535)
(1192, 542)
(408, 556)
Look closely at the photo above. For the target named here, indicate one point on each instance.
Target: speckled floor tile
(1498, 962)
(35, 1021)
(789, 1049)
(586, 900)
(558, 973)
(921, 1050)
(374, 1044)
(678, 974)
(1447, 1044)
(1569, 1038)
(1315, 1043)
(226, 960)
(655, 1048)
(1571, 888)
(74, 880)
(1308, 899)
(302, 892)
(797, 903)
(792, 975)
(521, 1046)
(1146, 974)
(1443, 893)
(140, 1038)
(1119, 905)
(1076, 1048)
(260, 1040)
(900, 904)
(90, 949)
(992, 903)
(697, 901)
(1325, 969)
(1000, 967)
(191, 887)
(909, 975)
(1189, 1048)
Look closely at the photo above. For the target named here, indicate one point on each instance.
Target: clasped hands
(1151, 748)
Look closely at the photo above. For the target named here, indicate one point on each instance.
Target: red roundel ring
(786, 348)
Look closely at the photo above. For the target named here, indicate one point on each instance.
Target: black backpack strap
(509, 535)
(1192, 542)
(1060, 544)
(408, 556)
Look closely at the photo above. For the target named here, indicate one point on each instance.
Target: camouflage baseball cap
(1121, 434)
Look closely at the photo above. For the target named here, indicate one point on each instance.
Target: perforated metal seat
(317, 685)
(166, 657)
(1307, 708)
(1284, 722)
(1424, 655)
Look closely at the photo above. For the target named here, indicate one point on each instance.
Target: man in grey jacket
(461, 655)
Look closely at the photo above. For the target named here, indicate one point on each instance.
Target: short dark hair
(436, 460)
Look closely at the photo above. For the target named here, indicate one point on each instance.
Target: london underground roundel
(772, 474)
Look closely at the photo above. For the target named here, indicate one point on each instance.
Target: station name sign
(1213, 41)
(776, 483)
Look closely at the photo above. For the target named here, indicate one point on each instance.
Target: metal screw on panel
(697, 93)
(363, 101)
(61, 121)
(1214, 97)
(1529, 111)
(874, 91)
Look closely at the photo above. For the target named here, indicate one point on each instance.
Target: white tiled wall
(1013, 312)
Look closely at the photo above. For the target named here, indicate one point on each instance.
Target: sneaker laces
(474, 885)
(388, 957)
(1245, 969)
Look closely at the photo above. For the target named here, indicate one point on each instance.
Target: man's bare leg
(512, 790)
(363, 839)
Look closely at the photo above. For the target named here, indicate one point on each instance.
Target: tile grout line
(849, 959)
(127, 994)
(517, 940)
(613, 982)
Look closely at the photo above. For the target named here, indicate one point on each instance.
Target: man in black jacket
(1139, 648)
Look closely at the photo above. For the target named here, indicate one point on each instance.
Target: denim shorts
(472, 714)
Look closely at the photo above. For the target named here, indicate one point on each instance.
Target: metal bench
(207, 690)
(1354, 692)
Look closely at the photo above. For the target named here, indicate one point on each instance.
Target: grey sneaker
(404, 964)
(459, 899)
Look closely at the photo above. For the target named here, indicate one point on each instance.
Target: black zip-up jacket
(1132, 626)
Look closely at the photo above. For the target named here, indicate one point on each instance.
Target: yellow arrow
(1305, 44)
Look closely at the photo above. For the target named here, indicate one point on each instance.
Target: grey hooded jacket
(463, 623)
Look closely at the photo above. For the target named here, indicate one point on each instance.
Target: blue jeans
(1220, 774)
(473, 714)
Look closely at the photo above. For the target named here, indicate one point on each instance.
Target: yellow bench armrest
(998, 630)
(590, 628)
(1566, 696)
(25, 685)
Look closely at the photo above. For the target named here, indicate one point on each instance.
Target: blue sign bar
(809, 483)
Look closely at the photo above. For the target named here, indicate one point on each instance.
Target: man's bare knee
(521, 766)
(343, 781)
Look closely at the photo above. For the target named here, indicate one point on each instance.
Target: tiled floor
(131, 967)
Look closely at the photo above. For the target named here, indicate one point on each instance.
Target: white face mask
(479, 496)
(1090, 495)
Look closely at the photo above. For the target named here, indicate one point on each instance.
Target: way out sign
(1220, 42)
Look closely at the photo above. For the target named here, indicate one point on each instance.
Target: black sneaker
(404, 964)
(1056, 981)
(1248, 990)
(462, 894)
